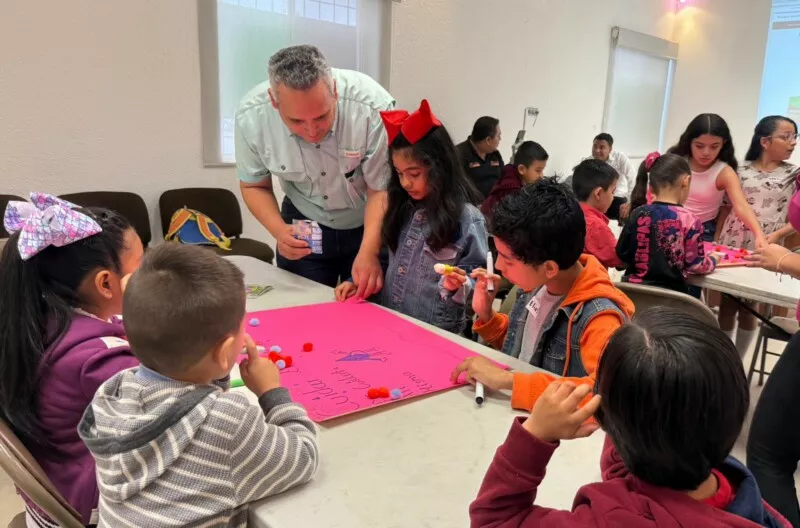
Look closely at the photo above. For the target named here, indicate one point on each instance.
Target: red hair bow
(413, 126)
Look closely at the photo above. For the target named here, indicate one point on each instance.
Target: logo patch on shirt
(114, 342)
(495, 163)
(474, 165)
(352, 154)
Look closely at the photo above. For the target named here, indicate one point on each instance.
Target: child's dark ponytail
(639, 194)
(657, 172)
(37, 299)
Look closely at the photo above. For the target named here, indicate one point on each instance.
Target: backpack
(188, 226)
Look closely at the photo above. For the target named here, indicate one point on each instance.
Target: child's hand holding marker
(483, 297)
(454, 277)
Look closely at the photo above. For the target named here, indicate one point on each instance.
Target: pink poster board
(730, 256)
(356, 346)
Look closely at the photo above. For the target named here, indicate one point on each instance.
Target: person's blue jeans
(339, 250)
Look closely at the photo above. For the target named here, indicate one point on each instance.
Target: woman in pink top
(708, 146)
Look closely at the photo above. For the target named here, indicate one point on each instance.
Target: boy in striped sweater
(173, 447)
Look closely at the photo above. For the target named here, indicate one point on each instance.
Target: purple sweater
(90, 352)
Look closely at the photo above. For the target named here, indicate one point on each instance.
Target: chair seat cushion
(247, 247)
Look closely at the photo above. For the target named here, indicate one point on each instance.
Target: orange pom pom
(373, 393)
(383, 392)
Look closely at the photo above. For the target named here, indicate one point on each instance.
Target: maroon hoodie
(508, 183)
(509, 489)
(90, 352)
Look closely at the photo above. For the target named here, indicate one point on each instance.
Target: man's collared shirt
(327, 182)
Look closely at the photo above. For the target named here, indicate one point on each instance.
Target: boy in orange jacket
(567, 307)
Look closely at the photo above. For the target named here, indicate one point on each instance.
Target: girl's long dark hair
(713, 125)
(665, 172)
(449, 190)
(37, 298)
(765, 128)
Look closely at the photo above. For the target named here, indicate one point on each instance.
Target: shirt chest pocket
(356, 185)
(291, 169)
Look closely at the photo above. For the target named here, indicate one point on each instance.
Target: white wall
(103, 95)
(476, 57)
(722, 46)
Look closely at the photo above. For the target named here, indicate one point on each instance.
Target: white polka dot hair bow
(46, 221)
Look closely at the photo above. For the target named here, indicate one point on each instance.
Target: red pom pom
(373, 393)
(288, 361)
(274, 356)
(308, 347)
(383, 392)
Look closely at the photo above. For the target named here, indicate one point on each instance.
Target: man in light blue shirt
(603, 150)
(319, 131)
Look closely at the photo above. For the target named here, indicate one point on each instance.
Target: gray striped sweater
(170, 453)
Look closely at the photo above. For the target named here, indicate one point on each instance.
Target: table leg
(760, 317)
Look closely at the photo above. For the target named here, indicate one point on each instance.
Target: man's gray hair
(299, 68)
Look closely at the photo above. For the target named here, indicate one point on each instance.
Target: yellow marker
(444, 269)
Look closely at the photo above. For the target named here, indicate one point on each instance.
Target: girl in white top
(708, 146)
(768, 183)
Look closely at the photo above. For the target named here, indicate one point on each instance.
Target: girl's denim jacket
(412, 287)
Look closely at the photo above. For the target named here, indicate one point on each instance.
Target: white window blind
(640, 75)
(237, 38)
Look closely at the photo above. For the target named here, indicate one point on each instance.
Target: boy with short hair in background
(527, 167)
(172, 445)
(594, 183)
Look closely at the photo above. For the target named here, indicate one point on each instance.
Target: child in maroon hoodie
(671, 394)
(61, 282)
(528, 167)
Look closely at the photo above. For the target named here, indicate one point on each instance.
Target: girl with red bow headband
(430, 219)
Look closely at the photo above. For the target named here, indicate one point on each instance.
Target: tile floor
(10, 504)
